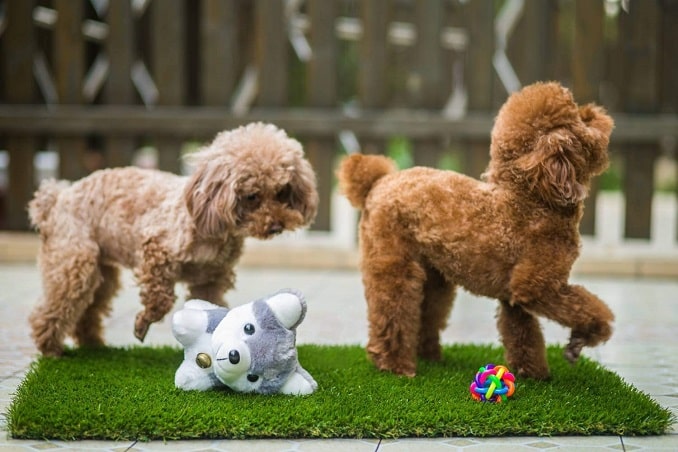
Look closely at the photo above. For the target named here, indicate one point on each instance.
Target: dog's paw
(141, 326)
(540, 373)
(573, 349)
(391, 365)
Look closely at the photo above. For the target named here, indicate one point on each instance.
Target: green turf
(118, 394)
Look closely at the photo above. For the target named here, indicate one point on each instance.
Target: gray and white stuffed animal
(250, 348)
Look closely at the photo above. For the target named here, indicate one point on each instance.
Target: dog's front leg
(156, 277)
(525, 349)
(572, 306)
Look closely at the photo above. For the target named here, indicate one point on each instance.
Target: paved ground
(643, 351)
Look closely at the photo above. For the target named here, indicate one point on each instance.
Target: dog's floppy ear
(211, 200)
(598, 126)
(551, 169)
(304, 196)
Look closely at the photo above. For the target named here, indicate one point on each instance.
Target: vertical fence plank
(479, 77)
(119, 89)
(669, 58)
(639, 34)
(372, 70)
(168, 53)
(373, 64)
(427, 74)
(531, 48)
(587, 73)
(69, 68)
(322, 93)
(219, 54)
(272, 53)
(18, 48)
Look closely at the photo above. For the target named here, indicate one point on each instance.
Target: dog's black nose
(275, 228)
(234, 357)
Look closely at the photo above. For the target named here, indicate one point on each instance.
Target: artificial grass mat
(128, 394)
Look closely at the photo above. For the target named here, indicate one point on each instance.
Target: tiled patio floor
(643, 351)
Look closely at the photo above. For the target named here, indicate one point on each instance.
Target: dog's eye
(285, 194)
(252, 378)
(252, 197)
(249, 329)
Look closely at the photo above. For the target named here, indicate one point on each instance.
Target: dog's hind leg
(525, 350)
(435, 310)
(69, 282)
(394, 293)
(211, 284)
(89, 330)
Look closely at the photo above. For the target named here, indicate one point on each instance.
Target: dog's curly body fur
(423, 232)
(249, 182)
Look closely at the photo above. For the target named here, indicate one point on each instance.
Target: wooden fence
(103, 78)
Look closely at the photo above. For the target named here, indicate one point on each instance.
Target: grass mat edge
(129, 394)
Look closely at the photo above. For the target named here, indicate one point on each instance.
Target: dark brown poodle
(514, 237)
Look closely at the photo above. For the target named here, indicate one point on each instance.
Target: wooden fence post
(18, 50)
(639, 33)
(119, 89)
(322, 93)
(479, 77)
(587, 73)
(168, 53)
(219, 51)
(272, 53)
(427, 75)
(372, 70)
(669, 58)
(69, 67)
(535, 36)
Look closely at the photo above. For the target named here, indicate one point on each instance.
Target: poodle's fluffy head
(544, 144)
(252, 181)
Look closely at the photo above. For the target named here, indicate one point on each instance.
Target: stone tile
(664, 442)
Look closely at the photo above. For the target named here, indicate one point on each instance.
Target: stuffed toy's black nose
(234, 357)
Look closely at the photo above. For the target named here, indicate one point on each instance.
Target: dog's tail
(43, 201)
(358, 173)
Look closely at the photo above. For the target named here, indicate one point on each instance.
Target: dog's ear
(551, 169)
(211, 200)
(304, 195)
(596, 135)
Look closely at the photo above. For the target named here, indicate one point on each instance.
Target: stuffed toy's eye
(249, 329)
(252, 378)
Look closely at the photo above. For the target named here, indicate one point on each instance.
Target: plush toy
(250, 348)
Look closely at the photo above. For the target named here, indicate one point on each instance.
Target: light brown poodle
(252, 181)
(423, 232)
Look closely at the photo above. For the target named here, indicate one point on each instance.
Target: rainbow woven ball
(493, 384)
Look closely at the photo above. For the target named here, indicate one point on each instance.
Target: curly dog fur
(249, 182)
(514, 237)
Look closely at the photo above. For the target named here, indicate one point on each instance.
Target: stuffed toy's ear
(289, 307)
(551, 169)
(188, 324)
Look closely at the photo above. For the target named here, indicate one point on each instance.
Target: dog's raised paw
(573, 349)
(141, 326)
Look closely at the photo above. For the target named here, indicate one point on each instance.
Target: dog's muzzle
(275, 229)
